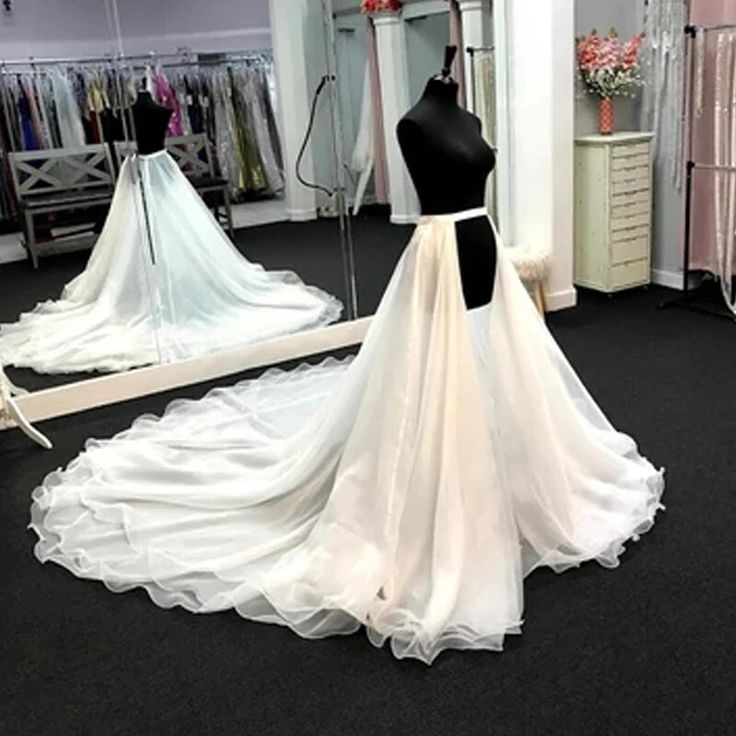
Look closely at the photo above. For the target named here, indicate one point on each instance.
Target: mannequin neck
(440, 90)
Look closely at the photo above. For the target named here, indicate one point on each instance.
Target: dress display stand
(408, 490)
(163, 283)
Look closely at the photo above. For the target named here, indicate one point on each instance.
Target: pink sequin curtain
(703, 243)
(379, 141)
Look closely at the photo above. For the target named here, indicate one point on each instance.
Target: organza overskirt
(407, 491)
(163, 283)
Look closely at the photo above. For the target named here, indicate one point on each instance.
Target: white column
(393, 69)
(473, 22)
(288, 24)
(542, 89)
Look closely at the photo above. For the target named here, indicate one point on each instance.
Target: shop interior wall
(45, 28)
(627, 17)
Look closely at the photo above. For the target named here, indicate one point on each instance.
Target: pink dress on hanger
(165, 94)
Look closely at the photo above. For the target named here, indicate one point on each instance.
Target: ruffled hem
(28, 353)
(401, 493)
(609, 553)
(203, 296)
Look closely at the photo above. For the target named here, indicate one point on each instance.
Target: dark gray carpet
(648, 648)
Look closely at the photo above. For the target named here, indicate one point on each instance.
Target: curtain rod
(691, 29)
(152, 56)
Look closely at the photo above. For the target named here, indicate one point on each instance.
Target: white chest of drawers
(613, 211)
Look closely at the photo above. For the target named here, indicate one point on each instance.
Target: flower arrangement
(376, 6)
(608, 66)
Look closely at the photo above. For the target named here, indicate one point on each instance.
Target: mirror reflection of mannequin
(449, 162)
(151, 122)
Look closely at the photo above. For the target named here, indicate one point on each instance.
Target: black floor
(648, 648)
(312, 249)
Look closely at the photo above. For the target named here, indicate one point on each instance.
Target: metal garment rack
(685, 298)
(183, 58)
(471, 51)
(179, 59)
(185, 55)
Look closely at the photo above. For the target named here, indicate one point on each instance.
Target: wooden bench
(59, 179)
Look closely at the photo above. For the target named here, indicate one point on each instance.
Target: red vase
(605, 116)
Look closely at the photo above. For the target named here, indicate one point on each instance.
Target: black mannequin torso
(151, 121)
(449, 162)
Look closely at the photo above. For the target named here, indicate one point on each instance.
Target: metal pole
(14, 144)
(709, 28)
(346, 237)
(690, 32)
(688, 216)
(712, 167)
(470, 50)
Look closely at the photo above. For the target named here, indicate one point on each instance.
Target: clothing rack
(185, 55)
(685, 299)
(471, 51)
(115, 72)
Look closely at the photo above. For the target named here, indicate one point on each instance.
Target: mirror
(170, 186)
(384, 60)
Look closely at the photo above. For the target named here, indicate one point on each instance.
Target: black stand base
(705, 299)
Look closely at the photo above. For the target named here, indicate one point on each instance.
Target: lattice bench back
(86, 170)
(191, 153)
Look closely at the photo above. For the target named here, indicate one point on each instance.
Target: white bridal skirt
(184, 292)
(407, 491)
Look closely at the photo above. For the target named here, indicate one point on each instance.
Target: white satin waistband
(454, 216)
(147, 156)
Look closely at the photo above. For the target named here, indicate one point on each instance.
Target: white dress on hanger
(184, 292)
(407, 491)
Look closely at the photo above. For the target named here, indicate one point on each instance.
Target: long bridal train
(185, 292)
(408, 491)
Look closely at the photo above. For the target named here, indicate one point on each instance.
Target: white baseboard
(310, 213)
(112, 389)
(673, 279)
(404, 219)
(558, 300)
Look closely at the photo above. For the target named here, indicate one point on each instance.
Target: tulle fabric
(407, 491)
(184, 292)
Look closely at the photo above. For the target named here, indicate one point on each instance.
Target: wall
(301, 59)
(625, 17)
(214, 25)
(49, 28)
(426, 38)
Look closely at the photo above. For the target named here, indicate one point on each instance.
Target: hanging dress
(408, 491)
(68, 115)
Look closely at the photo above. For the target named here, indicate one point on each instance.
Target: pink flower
(375, 6)
(607, 65)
